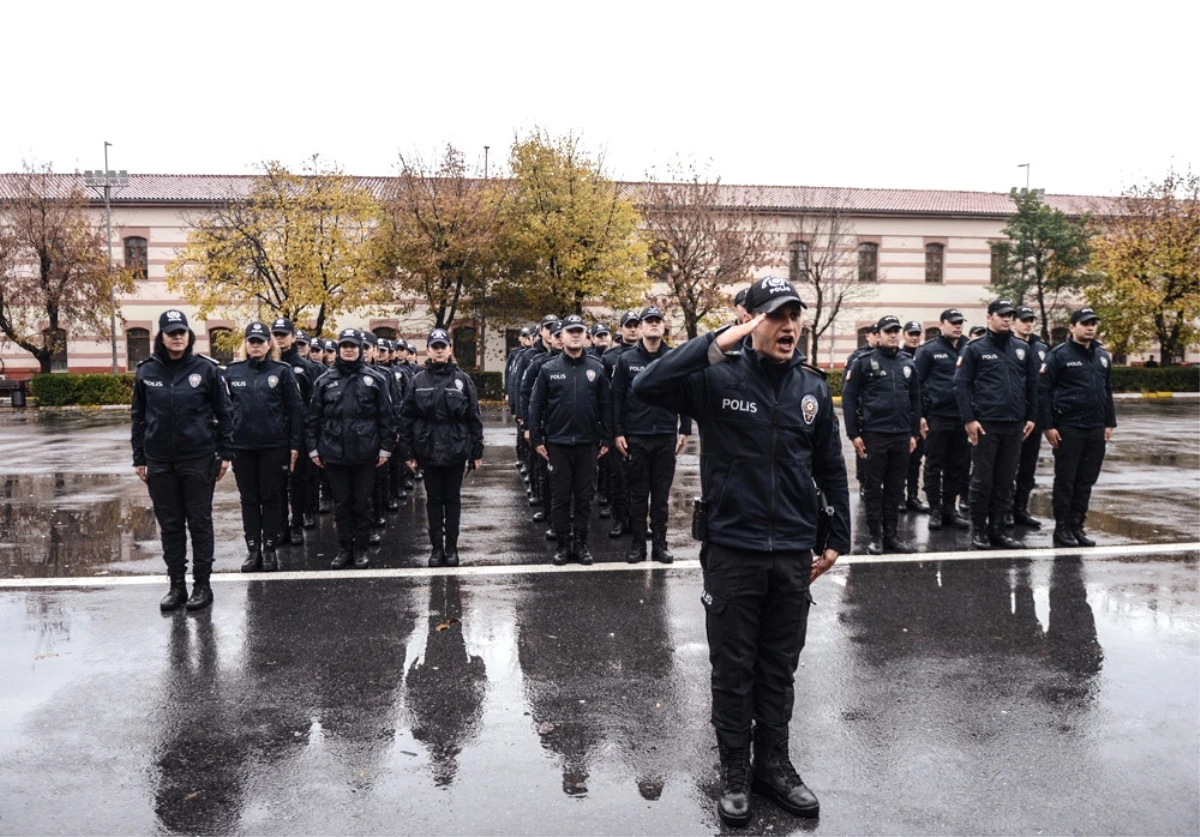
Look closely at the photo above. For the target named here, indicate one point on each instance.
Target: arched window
(137, 259)
(868, 262)
(1058, 334)
(137, 346)
(934, 255)
(385, 332)
(220, 347)
(932, 333)
(464, 347)
(56, 341)
(798, 263)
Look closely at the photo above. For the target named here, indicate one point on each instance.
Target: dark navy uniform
(540, 482)
(614, 469)
(181, 432)
(1031, 449)
(1076, 400)
(947, 448)
(302, 482)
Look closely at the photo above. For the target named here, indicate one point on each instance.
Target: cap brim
(574, 328)
(957, 320)
(174, 329)
(778, 302)
(1092, 319)
(1003, 311)
(438, 343)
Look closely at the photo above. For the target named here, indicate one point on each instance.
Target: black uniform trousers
(379, 490)
(572, 481)
(947, 465)
(993, 473)
(182, 495)
(1077, 462)
(618, 485)
(395, 477)
(1031, 448)
(257, 474)
(756, 606)
(352, 487)
(651, 472)
(443, 500)
(887, 465)
(914, 468)
(298, 489)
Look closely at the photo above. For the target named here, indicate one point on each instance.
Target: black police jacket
(395, 388)
(996, 379)
(350, 418)
(440, 423)
(936, 362)
(610, 358)
(180, 408)
(528, 378)
(267, 409)
(881, 394)
(631, 415)
(306, 371)
(570, 403)
(1076, 388)
(761, 449)
(514, 360)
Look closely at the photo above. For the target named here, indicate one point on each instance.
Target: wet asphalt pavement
(1047, 693)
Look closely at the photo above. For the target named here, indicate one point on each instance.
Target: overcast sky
(898, 95)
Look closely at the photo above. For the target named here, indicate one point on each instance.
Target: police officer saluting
(996, 387)
(650, 438)
(569, 412)
(181, 428)
(767, 431)
(441, 432)
(268, 435)
(1078, 417)
(350, 431)
(881, 402)
(947, 449)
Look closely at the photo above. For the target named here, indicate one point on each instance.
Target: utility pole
(106, 181)
(486, 148)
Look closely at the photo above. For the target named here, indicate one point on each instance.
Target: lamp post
(106, 181)
(1025, 166)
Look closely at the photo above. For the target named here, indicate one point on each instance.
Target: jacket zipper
(774, 438)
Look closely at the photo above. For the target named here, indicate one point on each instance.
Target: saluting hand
(733, 335)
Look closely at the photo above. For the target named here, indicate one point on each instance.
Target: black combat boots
(582, 553)
(345, 555)
(361, 559)
(1000, 539)
(176, 597)
(437, 550)
(270, 558)
(1081, 536)
(1022, 517)
(734, 805)
(253, 562)
(875, 547)
(935, 519)
(297, 535)
(951, 518)
(774, 775)
(659, 551)
(562, 552)
(637, 551)
(895, 546)
(1062, 535)
(451, 551)
(202, 595)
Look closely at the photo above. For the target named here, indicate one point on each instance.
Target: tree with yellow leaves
(1146, 267)
(298, 245)
(571, 236)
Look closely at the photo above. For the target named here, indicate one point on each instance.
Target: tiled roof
(209, 188)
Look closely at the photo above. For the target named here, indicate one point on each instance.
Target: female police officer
(350, 431)
(181, 447)
(441, 430)
(268, 429)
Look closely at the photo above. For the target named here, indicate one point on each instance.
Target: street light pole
(485, 161)
(107, 180)
(1025, 166)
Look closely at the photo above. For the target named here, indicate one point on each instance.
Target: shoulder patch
(808, 408)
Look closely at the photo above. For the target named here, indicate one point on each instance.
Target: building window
(464, 347)
(220, 345)
(862, 336)
(932, 333)
(56, 341)
(512, 340)
(1058, 334)
(385, 332)
(137, 346)
(137, 260)
(868, 262)
(934, 254)
(798, 263)
(997, 264)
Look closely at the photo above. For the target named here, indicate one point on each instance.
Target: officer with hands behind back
(767, 432)
(881, 403)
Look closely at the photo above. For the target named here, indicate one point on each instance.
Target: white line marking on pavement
(687, 565)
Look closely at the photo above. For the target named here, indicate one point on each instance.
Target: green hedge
(1163, 379)
(61, 390)
(489, 386)
(834, 379)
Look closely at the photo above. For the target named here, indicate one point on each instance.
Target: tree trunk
(691, 324)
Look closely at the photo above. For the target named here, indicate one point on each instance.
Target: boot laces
(737, 769)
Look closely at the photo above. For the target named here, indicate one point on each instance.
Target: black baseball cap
(740, 297)
(331, 345)
(548, 320)
(600, 328)
(172, 321)
(525, 331)
(953, 315)
(302, 337)
(350, 335)
(282, 325)
(913, 327)
(1084, 315)
(573, 322)
(630, 317)
(1001, 306)
(887, 322)
(257, 331)
(1025, 313)
(370, 338)
(770, 293)
(555, 326)
(438, 335)
(873, 328)
(652, 311)
(977, 330)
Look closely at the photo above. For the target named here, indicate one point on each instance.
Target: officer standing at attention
(350, 431)
(614, 480)
(569, 412)
(1031, 448)
(767, 432)
(601, 339)
(860, 464)
(650, 438)
(948, 452)
(181, 438)
(1077, 417)
(542, 487)
(268, 435)
(996, 387)
(881, 404)
(524, 341)
(296, 491)
(913, 333)
(442, 434)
